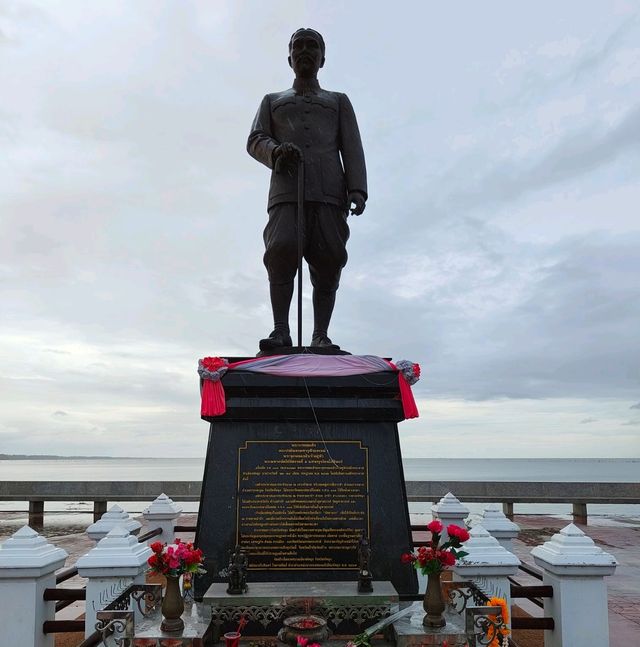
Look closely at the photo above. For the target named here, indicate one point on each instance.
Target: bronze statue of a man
(319, 127)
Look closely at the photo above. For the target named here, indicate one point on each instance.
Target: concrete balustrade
(163, 513)
(572, 565)
(495, 522)
(576, 568)
(506, 492)
(117, 561)
(449, 510)
(115, 516)
(27, 567)
(488, 564)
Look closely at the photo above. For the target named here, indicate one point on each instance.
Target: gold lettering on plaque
(302, 505)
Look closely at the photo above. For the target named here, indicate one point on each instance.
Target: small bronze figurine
(365, 579)
(237, 571)
(317, 127)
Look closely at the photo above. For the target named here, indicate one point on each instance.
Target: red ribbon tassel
(406, 396)
(213, 400)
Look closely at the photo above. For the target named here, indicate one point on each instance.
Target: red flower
(157, 546)
(447, 558)
(416, 370)
(302, 641)
(459, 533)
(435, 526)
(407, 558)
(153, 560)
(192, 557)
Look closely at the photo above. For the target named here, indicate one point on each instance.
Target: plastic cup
(232, 639)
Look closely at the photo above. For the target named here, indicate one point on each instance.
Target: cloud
(132, 216)
(586, 421)
(635, 406)
(578, 153)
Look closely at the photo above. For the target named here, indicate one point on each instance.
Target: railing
(66, 597)
(66, 574)
(149, 535)
(579, 495)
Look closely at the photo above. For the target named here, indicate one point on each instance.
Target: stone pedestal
(117, 561)
(495, 522)
(296, 469)
(488, 564)
(576, 568)
(27, 567)
(266, 605)
(115, 516)
(410, 632)
(449, 510)
(163, 513)
(196, 622)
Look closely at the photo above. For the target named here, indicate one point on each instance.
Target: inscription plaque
(302, 505)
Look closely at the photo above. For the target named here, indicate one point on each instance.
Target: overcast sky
(500, 247)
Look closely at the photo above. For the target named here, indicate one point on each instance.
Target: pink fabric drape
(307, 365)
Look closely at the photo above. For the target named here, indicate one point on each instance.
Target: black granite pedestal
(296, 470)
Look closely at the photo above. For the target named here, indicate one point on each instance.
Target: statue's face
(306, 55)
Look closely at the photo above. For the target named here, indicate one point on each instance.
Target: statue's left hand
(356, 198)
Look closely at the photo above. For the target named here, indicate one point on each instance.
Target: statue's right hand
(287, 153)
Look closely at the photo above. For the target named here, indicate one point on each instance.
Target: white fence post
(449, 510)
(116, 562)
(27, 567)
(115, 516)
(495, 522)
(488, 564)
(576, 568)
(163, 513)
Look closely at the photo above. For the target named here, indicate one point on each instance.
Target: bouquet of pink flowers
(435, 557)
(176, 559)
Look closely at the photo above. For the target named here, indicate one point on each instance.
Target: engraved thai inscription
(302, 505)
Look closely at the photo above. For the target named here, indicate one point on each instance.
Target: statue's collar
(306, 86)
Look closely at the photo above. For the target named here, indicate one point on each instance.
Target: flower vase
(433, 602)
(172, 606)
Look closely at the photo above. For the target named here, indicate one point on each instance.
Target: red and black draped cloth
(211, 369)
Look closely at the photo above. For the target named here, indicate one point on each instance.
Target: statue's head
(306, 52)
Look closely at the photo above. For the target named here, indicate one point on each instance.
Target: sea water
(415, 469)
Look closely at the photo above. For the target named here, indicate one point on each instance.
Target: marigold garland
(501, 632)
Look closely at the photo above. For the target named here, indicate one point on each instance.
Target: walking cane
(300, 242)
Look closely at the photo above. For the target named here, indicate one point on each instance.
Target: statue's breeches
(324, 247)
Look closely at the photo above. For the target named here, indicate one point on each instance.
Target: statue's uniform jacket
(323, 125)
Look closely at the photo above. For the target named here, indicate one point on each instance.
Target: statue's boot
(320, 340)
(323, 302)
(281, 294)
(277, 339)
